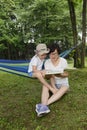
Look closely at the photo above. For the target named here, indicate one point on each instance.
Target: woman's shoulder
(63, 59)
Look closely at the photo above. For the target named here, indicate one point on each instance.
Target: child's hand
(53, 90)
(43, 72)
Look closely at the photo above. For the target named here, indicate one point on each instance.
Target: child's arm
(34, 69)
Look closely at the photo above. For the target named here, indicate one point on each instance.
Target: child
(37, 60)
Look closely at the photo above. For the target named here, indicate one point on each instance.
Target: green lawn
(18, 96)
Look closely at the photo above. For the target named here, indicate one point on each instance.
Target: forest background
(25, 23)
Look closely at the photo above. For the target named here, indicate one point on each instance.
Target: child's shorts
(30, 74)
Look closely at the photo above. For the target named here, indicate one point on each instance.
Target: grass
(18, 96)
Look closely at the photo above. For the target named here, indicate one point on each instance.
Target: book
(55, 72)
(49, 72)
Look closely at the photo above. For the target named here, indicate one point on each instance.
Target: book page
(48, 72)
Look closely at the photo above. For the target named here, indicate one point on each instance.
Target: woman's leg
(57, 95)
(44, 95)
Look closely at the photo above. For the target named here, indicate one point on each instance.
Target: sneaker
(38, 106)
(43, 110)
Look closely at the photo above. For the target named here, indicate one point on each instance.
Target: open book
(49, 72)
(55, 72)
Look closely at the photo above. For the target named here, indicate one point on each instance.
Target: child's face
(42, 57)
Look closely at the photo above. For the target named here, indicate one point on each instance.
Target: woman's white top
(62, 65)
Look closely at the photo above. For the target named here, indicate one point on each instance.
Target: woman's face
(54, 55)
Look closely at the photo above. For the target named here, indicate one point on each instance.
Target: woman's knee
(45, 88)
(64, 89)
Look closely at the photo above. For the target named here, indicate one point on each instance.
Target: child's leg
(44, 82)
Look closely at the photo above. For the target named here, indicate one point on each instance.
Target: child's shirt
(35, 61)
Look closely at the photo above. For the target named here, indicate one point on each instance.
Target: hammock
(20, 67)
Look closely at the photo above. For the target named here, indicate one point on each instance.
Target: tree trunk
(74, 30)
(83, 33)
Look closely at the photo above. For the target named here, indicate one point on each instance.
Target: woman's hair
(53, 47)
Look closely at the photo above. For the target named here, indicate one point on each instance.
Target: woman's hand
(64, 74)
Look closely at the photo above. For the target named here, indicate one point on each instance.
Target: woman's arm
(62, 75)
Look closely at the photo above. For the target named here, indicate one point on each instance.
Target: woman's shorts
(58, 86)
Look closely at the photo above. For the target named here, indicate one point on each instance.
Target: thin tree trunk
(74, 30)
(83, 33)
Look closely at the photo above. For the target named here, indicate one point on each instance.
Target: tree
(79, 57)
(48, 21)
(75, 33)
(83, 33)
(39, 21)
(6, 25)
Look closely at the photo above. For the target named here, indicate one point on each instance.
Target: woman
(58, 81)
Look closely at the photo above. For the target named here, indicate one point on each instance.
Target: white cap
(41, 49)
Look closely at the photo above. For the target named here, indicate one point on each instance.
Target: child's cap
(42, 49)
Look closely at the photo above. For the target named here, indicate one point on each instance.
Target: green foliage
(76, 1)
(48, 18)
(24, 21)
(2, 47)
